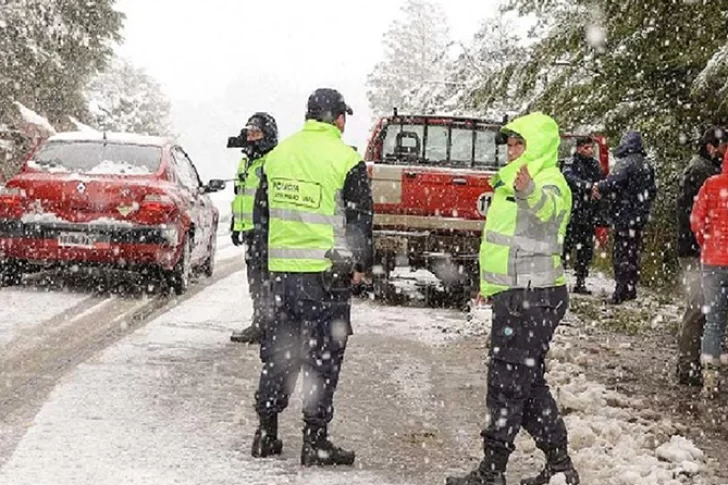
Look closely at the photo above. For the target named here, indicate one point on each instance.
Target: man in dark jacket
(704, 165)
(581, 173)
(631, 189)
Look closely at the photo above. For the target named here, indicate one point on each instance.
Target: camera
(240, 141)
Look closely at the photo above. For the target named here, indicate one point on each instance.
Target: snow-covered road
(172, 403)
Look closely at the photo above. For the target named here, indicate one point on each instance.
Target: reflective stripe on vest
(525, 243)
(536, 280)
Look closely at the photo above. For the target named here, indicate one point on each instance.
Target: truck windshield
(442, 145)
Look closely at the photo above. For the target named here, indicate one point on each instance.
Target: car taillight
(11, 196)
(158, 203)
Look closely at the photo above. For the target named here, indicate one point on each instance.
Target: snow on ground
(615, 440)
(21, 309)
(108, 422)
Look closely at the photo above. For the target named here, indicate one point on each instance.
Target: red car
(130, 201)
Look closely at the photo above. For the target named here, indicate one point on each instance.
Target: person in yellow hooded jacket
(523, 276)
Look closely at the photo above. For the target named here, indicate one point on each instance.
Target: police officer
(315, 211)
(261, 132)
(581, 174)
(522, 272)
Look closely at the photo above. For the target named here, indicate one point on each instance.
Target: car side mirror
(215, 185)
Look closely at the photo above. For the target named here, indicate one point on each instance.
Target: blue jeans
(715, 288)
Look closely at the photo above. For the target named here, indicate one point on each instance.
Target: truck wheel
(11, 273)
(179, 277)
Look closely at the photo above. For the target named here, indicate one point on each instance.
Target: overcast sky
(221, 60)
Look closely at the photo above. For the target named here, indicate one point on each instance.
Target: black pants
(627, 244)
(308, 331)
(518, 396)
(255, 279)
(580, 236)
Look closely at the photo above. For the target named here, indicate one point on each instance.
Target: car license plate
(76, 239)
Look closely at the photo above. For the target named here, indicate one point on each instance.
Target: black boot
(690, 373)
(491, 471)
(317, 450)
(580, 288)
(557, 461)
(251, 335)
(266, 442)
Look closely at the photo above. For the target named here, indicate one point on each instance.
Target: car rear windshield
(448, 145)
(97, 158)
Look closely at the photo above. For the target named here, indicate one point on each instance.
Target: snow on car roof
(123, 138)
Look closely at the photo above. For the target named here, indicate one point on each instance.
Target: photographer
(259, 137)
(314, 210)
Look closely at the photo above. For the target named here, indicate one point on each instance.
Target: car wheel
(11, 273)
(208, 267)
(179, 277)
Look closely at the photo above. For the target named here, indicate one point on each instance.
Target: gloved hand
(237, 238)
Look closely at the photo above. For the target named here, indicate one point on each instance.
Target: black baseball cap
(584, 140)
(327, 103)
(714, 135)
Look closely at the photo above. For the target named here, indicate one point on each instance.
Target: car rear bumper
(120, 244)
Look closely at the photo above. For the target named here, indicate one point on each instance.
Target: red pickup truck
(431, 195)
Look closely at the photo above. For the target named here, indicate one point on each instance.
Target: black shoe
(580, 289)
(616, 299)
(317, 450)
(265, 445)
(690, 374)
(477, 477)
(491, 470)
(557, 461)
(251, 335)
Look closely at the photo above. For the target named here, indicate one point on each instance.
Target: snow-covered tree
(125, 98)
(50, 48)
(416, 49)
(486, 67)
(656, 66)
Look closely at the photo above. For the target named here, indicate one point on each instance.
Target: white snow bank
(616, 440)
(410, 283)
(109, 167)
(130, 138)
(34, 118)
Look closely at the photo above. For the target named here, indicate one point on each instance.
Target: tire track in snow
(33, 365)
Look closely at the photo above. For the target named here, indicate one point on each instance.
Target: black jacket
(701, 168)
(359, 219)
(630, 189)
(581, 173)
